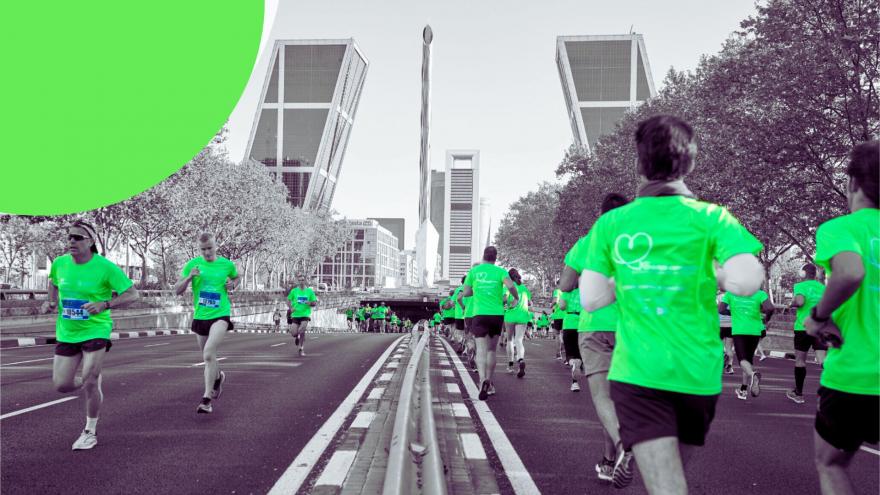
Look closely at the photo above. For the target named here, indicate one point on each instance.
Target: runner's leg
(209, 347)
(492, 346)
(832, 464)
(64, 377)
(660, 463)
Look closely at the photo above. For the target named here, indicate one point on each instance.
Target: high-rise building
(602, 77)
(485, 223)
(306, 112)
(438, 197)
(409, 271)
(369, 259)
(397, 226)
(461, 212)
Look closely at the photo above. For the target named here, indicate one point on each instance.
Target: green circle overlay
(102, 100)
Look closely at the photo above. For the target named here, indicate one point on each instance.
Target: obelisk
(427, 237)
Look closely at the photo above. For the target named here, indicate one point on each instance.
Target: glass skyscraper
(306, 112)
(602, 77)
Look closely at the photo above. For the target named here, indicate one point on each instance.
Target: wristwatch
(816, 318)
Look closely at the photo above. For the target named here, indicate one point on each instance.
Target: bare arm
(51, 302)
(182, 284)
(129, 296)
(799, 301)
(741, 275)
(568, 280)
(847, 273)
(513, 292)
(597, 290)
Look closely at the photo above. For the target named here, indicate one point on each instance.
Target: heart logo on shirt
(631, 249)
(875, 252)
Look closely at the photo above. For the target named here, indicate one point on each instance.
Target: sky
(495, 86)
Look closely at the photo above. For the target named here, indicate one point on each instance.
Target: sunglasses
(77, 237)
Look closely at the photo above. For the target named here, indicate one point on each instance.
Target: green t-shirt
(448, 312)
(557, 313)
(520, 312)
(572, 309)
(394, 319)
(745, 313)
(349, 313)
(92, 281)
(855, 366)
(660, 252)
(543, 322)
(487, 281)
(210, 298)
(468, 307)
(299, 301)
(603, 319)
(361, 314)
(379, 312)
(459, 312)
(437, 318)
(812, 291)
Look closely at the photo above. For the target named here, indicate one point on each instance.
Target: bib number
(209, 300)
(71, 309)
(302, 299)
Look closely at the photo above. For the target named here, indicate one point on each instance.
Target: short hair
(93, 234)
(490, 254)
(666, 147)
(612, 201)
(205, 237)
(864, 168)
(809, 269)
(514, 275)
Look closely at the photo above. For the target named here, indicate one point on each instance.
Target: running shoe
(86, 440)
(302, 352)
(763, 357)
(795, 397)
(218, 385)
(728, 369)
(741, 394)
(522, 369)
(205, 406)
(491, 389)
(575, 387)
(605, 470)
(296, 339)
(755, 384)
(623, 471)
(484, 390)
(510, 367)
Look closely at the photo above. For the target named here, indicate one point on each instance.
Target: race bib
(71, 309)
(302, 299)
(209, 299)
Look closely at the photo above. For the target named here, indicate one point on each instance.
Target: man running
(300, 300)
(485, 283)
(666, 369)
(726, 336)
(349, 318)
(378, 316)
(571, 304)
(212, 278)
(847, 319)
(556, 318)
(458, 318)
(361, 318)
(807, 294)
(515, 320)
(84, 282)
(543, 324)
(747, 316)
(447, 311)
(276, 319)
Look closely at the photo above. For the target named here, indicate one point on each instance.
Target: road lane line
(28, 361)
(156, 345)
(203, 363)
(520, 479)
(472, 446)
(376, 393)
(869, 449)
(282, 343)
(299, 469)
(363, 419)
(38, 406)
(337, 468)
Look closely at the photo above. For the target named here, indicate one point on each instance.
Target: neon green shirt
(543, 322)
(349, 313)
(855, 366)
(394, 319)
(557, 314)
(379, 312)
(812, 291)
(210, 298)
(487, 281)
(572, 309)
(660, 252)
(450, 312)
(299, 301)
(520, 312)
(603, 319)
(437, 318)
(361, 314)
(77, 284)
(459, 312)
(745, 313)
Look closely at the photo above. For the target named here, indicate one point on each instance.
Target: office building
(461, 213)
(370, 258)
(485, 238)
(438, 195)
(305, 115)
(409, 271)
(602, 77)
(397, 226)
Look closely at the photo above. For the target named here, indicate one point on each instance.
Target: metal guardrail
(414, 450)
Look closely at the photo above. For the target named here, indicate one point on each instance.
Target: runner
(378, 316)
(846, 319)
(395, 323)
(276, 319)
(807, 294)
(726, 336)
(665, 372)
(212, 278)
(571, 304)
(458, 319)
(470, 346)
(543, 324)
(515, 320)
(556, 326)
(447, 311)
(301, 300)
(84, 281)
(596, 332)
(368, 314)
(349, 317)
(485, 283)
(747, 316)
(361, 318)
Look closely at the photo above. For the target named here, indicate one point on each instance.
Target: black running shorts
(459, 324)
(647, 414)
(557, 324)
(570, 343)
(803, 341)
(846, 420)
(725, 333)
(745, 346)
(203, 327)
(468, 325)
(297, 319)
(73, 348)
(448, 321)
(487, 325)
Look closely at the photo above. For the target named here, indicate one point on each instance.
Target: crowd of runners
(635, 311)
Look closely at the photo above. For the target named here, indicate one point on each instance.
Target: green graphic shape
(104, 99)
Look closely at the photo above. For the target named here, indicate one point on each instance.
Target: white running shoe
(575, 387)
(742, 394)
(86, 440)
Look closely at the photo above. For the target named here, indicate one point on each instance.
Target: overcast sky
(495, 86)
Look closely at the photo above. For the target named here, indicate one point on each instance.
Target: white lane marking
(27, 342)
(444, 363)
(393, 364)
(282, 343)
(337, 468)
(446, 373)
(384, 377)
(156, 345)
(363, 419)
(151, 333)
(133, 335)
(376, 393)
(38, 406)
(460, 410)
(30, 361)
(203, 363)
(520, 479)
(788, 415)
(299, 469)
(452, 388)
(473, 448)
(869, 449)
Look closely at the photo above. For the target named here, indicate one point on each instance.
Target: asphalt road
(762, 446)
(150, 438)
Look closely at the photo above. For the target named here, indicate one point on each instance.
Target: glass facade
(303, 128)
(370, 258)
(599, 121)
(264, 148)
(310, 72)
(600, 69)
